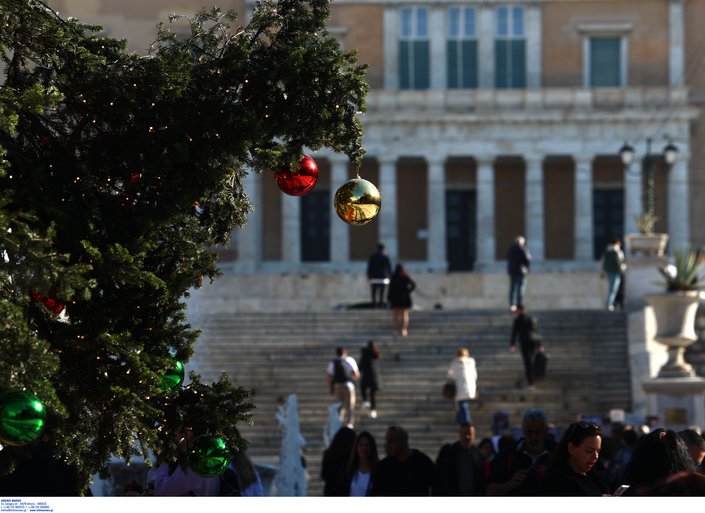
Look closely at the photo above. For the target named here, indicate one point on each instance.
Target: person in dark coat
(573, 468)
(379, 270)
(613, 266)
(526, 329)
(656, 456)
(362, 464)
(404, 472)
(460, 467)
(368, 376)
(334, 464)
(400, 288)
(517, 470)
(518, 262)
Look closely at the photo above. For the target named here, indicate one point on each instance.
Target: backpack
(612, 262)
(339, 374)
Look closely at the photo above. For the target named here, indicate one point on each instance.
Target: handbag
(449, 390)
(540, 364)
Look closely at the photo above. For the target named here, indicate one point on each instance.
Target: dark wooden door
(460, 229)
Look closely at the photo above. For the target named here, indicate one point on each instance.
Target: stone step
(276, 354)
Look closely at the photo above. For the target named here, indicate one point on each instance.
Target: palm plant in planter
(646, 241)
(683, 275)
(676, 308)
(645, 223)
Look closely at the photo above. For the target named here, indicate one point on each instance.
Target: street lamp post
(670, 154)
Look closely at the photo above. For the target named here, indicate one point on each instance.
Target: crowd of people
(580, 460)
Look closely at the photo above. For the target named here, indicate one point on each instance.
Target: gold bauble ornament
(357, 201)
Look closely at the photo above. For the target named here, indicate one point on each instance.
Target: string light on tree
(73, 159)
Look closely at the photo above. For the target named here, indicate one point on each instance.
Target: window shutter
(518, 64)
(404, 65)
(453, 64)
(605, 62)
(501, 55)
(469, 64)
(421, 65)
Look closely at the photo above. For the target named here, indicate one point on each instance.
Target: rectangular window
(462, 48)
(510, 48)
(414, 49)
(605, 62)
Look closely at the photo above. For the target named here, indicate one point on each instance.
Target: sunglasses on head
(585, 426)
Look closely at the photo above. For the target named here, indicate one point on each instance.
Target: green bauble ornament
(174, 377)
(209, 456)
(22, 418)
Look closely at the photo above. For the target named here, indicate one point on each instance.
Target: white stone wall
(311, 292)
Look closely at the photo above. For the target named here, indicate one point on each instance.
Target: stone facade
(463, 171)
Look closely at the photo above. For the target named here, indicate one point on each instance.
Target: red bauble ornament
(54, 305)
(51, 303)
(300, 181)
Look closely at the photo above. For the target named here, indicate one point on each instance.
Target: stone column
(388, 213)
(676, 43)
(339, 230)
(534, 207)
(678, 233)
(248, 239)
(485, 45)
(437, 214)
(291, 231)
(633, 195)
(583, 208)
(485, 244)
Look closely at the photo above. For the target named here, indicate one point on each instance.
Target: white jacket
(464, 372)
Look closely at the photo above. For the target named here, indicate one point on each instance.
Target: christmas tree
(120, 174)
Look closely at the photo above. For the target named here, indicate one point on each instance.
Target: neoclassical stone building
(488, 119)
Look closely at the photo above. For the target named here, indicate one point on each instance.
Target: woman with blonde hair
(463, 372)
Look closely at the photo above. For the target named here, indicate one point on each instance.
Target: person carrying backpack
(340, 375)
(613, 266)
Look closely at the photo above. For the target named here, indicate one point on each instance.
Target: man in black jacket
(460, 468)
(518, 471)
(379, 269)
(526, 328)
(518, 262)
(404, 472)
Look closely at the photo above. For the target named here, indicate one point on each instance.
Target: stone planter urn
(652, 244)
(675, 328)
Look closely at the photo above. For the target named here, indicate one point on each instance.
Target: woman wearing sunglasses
(571, 471)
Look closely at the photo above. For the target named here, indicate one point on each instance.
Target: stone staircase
(282, 353)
